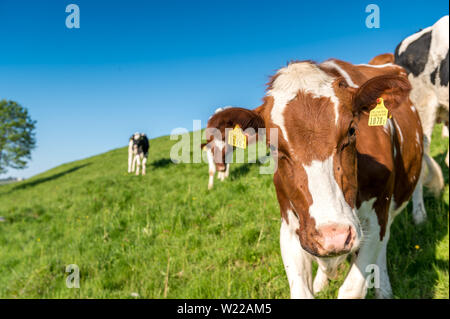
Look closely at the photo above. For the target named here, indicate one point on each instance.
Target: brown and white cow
(339, 182)
(217, 149)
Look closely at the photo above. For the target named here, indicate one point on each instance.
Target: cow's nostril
(349, 237)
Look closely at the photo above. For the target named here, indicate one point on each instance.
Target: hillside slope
(165, 235)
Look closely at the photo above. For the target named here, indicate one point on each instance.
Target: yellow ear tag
(237, 138)
(379, 115)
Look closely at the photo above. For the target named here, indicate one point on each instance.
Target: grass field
(164, 235)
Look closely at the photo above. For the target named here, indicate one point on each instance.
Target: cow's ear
(382, 59)
(394, 89)
(233, 116)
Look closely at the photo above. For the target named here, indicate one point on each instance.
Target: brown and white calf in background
(217, 149)
(339, 183)
(138, 151)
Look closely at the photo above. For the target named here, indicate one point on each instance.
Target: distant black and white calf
(137, 152)
(424, 56)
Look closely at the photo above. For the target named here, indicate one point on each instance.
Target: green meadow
(164, 235)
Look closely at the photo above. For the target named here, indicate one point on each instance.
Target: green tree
(17, 135)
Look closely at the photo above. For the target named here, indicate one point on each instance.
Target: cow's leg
(443, 117)
(130, 156)
(419, 213)
(327, 269)
(144, 163)
(297, 262)
(431, 176)
(212, 168)
(434, 179)
(355, 284)
(138, 163)
(446, 135)
(227, 170)
(133, 165)
(427, 107)
(320, 281)
(384, 291)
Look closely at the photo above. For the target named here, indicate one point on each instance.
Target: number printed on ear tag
(379, 115)
(237, 138)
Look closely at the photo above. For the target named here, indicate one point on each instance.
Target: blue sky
(153, 66)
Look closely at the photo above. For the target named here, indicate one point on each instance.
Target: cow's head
(218, 126)
(317, 116)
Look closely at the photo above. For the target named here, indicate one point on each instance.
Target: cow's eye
(351, 131)
(343, 84)
(283, 156)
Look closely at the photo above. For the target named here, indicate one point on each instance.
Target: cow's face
(316, 115)
(216, 133)
(316, 180)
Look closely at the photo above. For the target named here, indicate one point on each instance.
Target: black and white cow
(137, 152)
(424, 56)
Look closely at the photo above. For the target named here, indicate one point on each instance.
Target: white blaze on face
(303, 76)
(329, 205)
(219, 144)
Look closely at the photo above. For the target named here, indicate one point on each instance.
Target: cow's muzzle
(332, 240)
